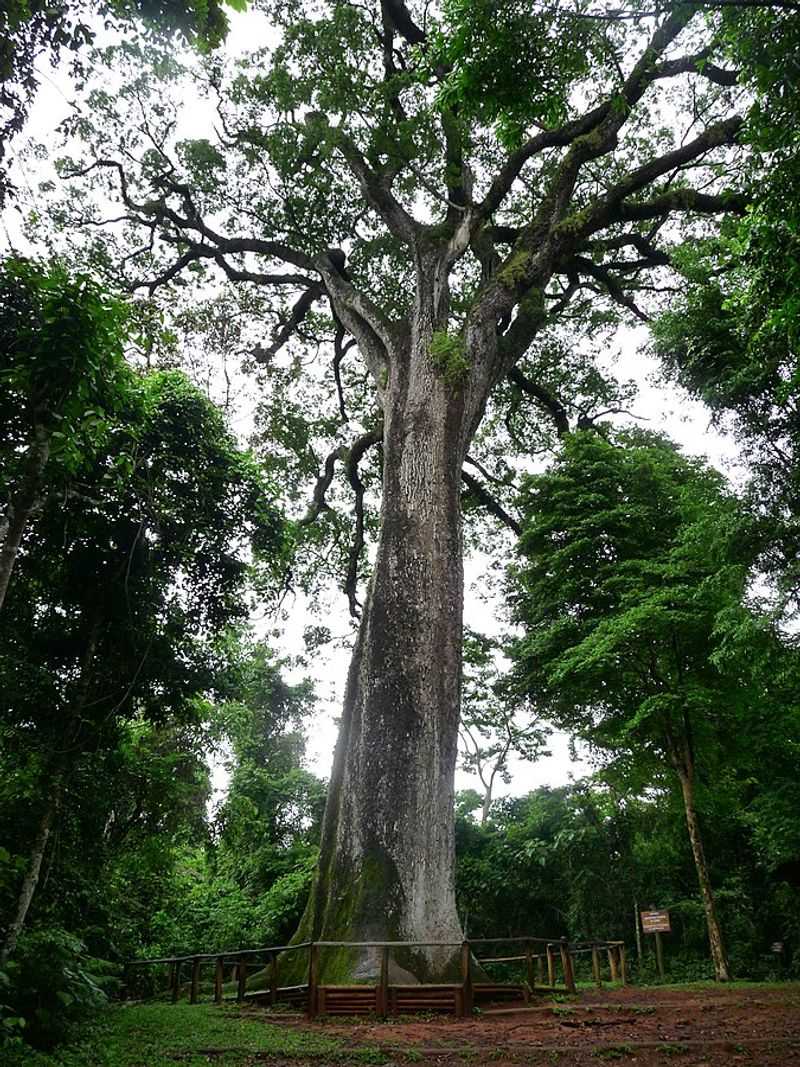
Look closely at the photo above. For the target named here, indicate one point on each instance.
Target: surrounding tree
(495, 725)
(123, 586)
(475, 220)
(632, 584)
(63, 378)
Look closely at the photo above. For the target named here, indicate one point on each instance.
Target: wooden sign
(655, 922)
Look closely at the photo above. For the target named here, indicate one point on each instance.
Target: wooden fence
(540, 959)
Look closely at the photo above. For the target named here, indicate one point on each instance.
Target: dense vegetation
(650, 606)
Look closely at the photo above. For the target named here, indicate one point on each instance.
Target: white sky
(686, 421)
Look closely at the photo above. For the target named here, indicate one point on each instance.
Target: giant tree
(422, 195)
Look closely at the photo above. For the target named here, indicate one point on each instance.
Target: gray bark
(21, 505)
(387, 863)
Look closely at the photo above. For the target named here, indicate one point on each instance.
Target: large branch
(603, 121)
(545, 399)
(377, 191)
(717, 135)
(398, 14)
(493, 506)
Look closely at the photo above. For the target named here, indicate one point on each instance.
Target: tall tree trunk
(57, 768)
(387, 863)
(685, 769)
(21, 505)
(31, 878)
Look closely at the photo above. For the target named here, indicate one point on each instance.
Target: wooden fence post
(539, 968)
(195, 980)
(598, 981)
(566, 964)
(382, 988)
(612, 963)
(623, 965)
(466, 977)
(551, 967)
(219, 978)
(313, 979)
(176, 982)
(171, 978)
(273, 979)
(529, 965)
(241, 975)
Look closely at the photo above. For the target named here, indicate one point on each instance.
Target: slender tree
(433, 191)
(634, 569)
(495, 724)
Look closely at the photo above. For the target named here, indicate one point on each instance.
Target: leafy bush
(53, 985)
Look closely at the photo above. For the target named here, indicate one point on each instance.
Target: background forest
(648, 605)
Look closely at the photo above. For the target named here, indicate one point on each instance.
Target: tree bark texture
(31, 878)
(718, 955)
(386, 869)
(21, 505)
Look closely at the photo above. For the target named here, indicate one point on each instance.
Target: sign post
(657, 922)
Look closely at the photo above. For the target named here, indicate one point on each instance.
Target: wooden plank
(195, 980)
(612, 963)
(313, 979)
(598, 981)
(551, 967)
(241, 975)
(566, 964)
(382, 988)
(273, 979)
(466, 977)
(623, 965)
(219, 975)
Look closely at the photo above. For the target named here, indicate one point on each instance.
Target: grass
(156, 1035)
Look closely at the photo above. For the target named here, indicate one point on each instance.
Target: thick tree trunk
(21, 505)
(386, 869)
(31, 878)
(718, 956)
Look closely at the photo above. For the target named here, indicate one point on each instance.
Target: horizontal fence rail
(540, 959)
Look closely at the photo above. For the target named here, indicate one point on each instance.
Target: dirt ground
(759, 1027)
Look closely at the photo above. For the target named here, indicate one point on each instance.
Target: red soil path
(757, 1027)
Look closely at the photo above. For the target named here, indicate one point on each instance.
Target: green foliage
(54, 985)
(449, 356)
(490, 50)
(634, 563)
(62, 339)
(732, 337)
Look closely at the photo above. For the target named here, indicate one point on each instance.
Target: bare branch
(493, 506)
(357, 451)
(545, 399)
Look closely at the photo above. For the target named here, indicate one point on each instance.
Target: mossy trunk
(386, 869)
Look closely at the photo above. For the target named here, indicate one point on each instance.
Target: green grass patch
(191, 1035)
